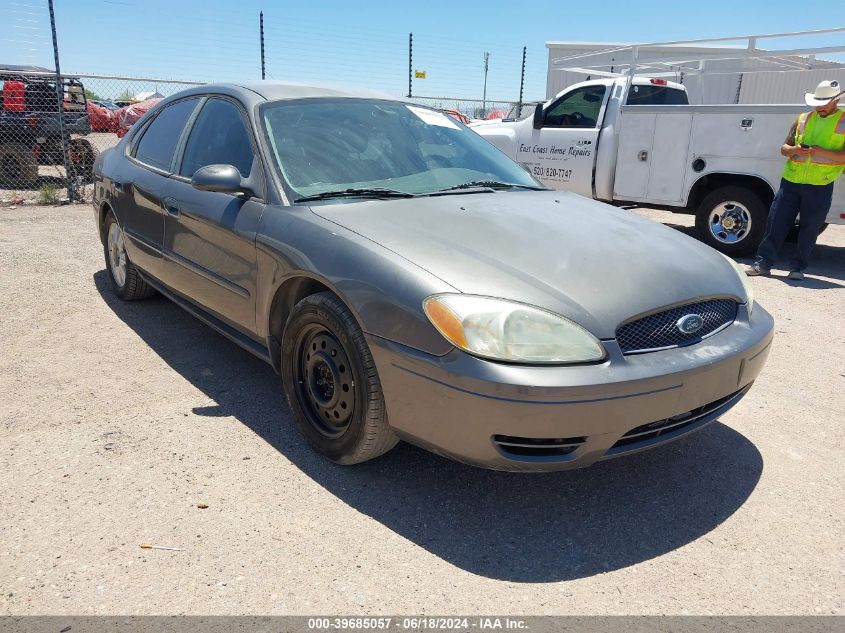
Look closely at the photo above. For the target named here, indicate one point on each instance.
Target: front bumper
(510, 417)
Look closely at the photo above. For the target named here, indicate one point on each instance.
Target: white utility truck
(635, 141)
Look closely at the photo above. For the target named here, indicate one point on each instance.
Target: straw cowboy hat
(825, 92)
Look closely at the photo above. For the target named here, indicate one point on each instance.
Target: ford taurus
(409, 281)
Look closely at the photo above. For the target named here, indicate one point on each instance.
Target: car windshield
(337, 145)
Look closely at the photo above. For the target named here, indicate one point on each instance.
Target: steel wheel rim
(730, 222)
(324, 381)
(117, 254)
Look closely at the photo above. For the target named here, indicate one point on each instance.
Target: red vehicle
(458, 116)
(128, 115)
(99, 118)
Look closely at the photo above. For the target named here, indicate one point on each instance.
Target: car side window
(579, 108)
(218, 137)
(158, 142)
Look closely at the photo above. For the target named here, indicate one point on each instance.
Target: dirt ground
(118, 420)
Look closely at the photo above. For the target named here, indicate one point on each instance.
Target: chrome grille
(660, 330)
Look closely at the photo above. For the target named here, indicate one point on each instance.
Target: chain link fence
(47, 146)
(468, 110)
(48, 149)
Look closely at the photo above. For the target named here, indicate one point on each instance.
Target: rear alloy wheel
(731, 220)
(331, 382)
(125, 279)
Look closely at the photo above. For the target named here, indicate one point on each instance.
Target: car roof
(276, 90)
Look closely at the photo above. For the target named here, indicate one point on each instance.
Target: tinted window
(656, 95)
(159, 140)
(579, 108)
(218, 137)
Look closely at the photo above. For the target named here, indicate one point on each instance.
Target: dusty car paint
(240, 264)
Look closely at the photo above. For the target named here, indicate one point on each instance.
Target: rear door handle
(172, 207)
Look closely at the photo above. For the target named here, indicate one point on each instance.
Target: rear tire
(126, 282)
(82, 156)
(732, 220)
(331, 382)
(18, 166)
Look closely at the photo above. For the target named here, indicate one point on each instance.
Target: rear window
(656, 95)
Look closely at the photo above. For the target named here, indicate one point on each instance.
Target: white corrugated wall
(788, 87)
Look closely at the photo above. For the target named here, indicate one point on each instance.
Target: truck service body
(644, 144)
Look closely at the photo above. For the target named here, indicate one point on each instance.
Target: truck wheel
(81, 155)
(18, 165)
(331, 382)
(732, 220)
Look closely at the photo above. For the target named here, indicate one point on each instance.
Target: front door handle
(172, 207)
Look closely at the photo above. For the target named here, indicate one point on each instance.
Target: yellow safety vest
(827, 132)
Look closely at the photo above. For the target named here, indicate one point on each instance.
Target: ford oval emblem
(689, 324)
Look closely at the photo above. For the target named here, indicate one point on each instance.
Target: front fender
(501, 135)
(383, 290)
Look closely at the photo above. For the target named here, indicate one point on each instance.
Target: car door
(562, 152)
(141, 181)
(209, 237)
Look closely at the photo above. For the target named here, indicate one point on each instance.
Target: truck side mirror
(538, 116)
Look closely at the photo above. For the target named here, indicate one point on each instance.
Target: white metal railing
(698, 60)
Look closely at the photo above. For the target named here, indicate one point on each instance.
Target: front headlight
(746, 283)
(509, 331)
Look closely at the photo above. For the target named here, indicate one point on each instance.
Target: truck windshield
(326, 145)
(656, 95)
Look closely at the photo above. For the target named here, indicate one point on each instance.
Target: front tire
(126, 282)
(732, 220)
(331, 382)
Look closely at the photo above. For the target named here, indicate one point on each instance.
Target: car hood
(593, 263)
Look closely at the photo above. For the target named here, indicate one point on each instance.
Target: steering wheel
(577, 118)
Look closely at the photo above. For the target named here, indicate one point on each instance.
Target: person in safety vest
(815, 151)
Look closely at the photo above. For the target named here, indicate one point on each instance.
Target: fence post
(410, 61)
(521, 84)
(484, 95)
(60, 103)
(261, 29)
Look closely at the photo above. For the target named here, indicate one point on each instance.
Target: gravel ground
(119, 420)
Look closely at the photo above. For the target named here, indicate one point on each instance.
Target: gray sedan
(409, 281)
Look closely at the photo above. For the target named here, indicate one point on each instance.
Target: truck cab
(559, 144)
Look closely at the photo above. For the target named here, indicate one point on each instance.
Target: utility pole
(484, 97)
(261, 29)
(521, 84)
(410, 61)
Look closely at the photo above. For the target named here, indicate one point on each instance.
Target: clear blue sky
(366, 43)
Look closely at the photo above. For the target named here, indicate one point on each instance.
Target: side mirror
(218, 178)
(538, 116)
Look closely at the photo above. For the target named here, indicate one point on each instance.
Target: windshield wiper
(488, 184)
(363, 192)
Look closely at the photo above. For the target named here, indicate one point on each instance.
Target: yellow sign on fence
(419, 74)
